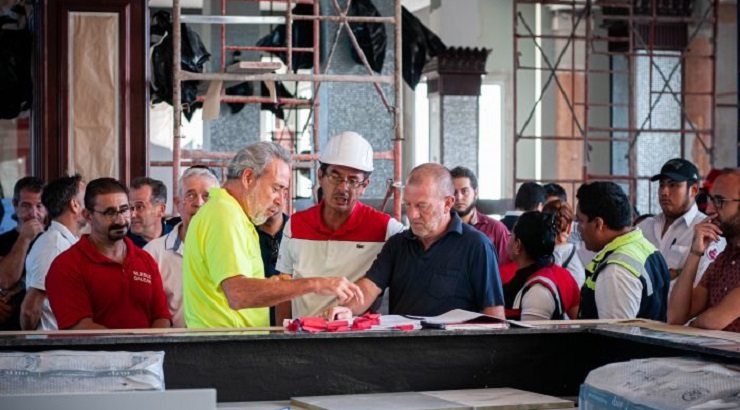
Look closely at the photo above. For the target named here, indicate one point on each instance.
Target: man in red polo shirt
(104, 281)
(340, 236)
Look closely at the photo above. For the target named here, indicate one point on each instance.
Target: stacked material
(473, 399)
(60, 371)
(661, 383)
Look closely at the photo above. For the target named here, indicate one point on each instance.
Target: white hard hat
(348, 149)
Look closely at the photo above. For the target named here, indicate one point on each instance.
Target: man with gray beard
(224, 281)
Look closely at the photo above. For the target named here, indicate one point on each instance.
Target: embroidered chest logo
(142, 277)
(713, 253)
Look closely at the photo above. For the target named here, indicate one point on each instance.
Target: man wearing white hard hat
(340, 236)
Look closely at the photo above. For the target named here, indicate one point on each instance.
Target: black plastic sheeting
(420, 45)
(371, 37)
(302, 37)
(193, 57)
(16, 87)
(246, 89)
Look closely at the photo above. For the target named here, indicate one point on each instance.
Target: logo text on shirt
(142, 277)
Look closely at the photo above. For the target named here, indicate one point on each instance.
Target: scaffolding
(631, 36)
(319, 75)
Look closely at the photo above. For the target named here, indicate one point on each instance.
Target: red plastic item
(338, 326)
(361, 324)
(313, 324)
(318, 324)
(374, 318)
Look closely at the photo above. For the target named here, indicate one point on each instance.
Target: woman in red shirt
(535, 288)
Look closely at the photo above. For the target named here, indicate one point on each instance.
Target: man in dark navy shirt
(440, 264)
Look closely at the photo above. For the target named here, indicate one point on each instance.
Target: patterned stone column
(454, 84)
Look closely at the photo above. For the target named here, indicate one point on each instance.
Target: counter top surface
(673, 337)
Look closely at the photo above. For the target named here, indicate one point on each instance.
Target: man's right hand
(337, 313)
(340, 287)
(705, 232)
(31, 229)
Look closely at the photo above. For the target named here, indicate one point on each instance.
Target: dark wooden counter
(254, 366)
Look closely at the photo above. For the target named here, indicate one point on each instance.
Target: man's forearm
(30, 320)
(31, 309)
(496, 311)
(371, 292)
(162, 323)
(245, 293)
(11, 265)
(711, 320)
(87, 324)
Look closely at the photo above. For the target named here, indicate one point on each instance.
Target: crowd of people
(99, 254)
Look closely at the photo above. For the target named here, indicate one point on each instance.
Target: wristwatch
(697, 253)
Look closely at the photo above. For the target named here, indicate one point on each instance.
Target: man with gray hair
(439, 264)
(224, 282)
(148, 198)
(167, 250)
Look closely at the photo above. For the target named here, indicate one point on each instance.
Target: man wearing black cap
(672, 230)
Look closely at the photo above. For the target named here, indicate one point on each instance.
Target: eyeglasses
(719, 201)
(112, 213)
(351, 183)
(193, 196)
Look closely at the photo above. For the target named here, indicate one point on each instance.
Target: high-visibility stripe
(635, 267)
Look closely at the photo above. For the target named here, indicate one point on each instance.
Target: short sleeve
(538, 303)
(381, 271)
(394, 227)
(43, 252)
(484, 274)
(67, 292)
(710, 255)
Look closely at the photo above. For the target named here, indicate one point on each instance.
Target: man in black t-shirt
(14, 245)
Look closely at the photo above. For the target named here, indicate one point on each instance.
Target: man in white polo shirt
(167, 250)
(64, 200)
(672, 230)
(340, 236)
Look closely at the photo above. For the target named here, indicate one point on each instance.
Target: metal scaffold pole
(318, 75)
(628, 33)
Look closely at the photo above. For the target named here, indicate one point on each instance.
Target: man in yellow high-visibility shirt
(224, 282)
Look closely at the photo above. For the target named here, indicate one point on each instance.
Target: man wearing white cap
(340, 236)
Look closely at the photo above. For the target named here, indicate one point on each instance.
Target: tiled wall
(460, 131)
